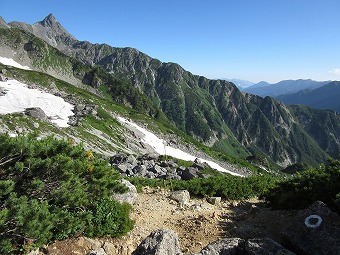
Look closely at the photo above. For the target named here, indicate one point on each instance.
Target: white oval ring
(314, 225)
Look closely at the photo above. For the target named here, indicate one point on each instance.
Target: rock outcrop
(36, 112)
(159, 242)
(130, 196)
(314, 231)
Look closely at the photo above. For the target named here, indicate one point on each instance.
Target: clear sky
(247, 39)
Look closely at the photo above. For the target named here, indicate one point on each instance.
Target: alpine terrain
(104, 147)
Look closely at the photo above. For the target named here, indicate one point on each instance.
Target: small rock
(99, 251)
(88, 243)
(35, 252)
(110, 248)
(214, 200)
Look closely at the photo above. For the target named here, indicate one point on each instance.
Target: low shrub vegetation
(51, 189)
(304, 188)
(224, 185)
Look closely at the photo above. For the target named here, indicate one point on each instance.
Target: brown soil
(196, 224)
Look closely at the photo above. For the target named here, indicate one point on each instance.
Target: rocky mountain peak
(55, 34)
(49, 21)
(3, 23)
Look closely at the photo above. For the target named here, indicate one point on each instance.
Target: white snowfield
(11, 62)
(162, 148)
(18, 97)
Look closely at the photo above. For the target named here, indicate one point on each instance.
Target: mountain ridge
(213, 111)
(283, 87)
(324, 97)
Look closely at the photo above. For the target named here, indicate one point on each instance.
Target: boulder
(36, 112)
(200, 166)
(3, 78)
(88, 243)
(172, 176)
(180, 196)
(159, 242)
(226, 246)
(157, 169)
(140, 170)
(172, 164)
(118, 159)
(36, 252)
(313, 231)
(130, 196)
(189, 173)
(131, 160)
(150, 156)
(214, 200)
(237, 246)
(262, 246)
(99, 251)
(122, 168)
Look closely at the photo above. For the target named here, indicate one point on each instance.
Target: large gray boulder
(180, 196)
(226, 246)
(99, 251)
(130, 196)
(315, 231)
(36, 112)
(159, 242)
(189, 173)
(237, 246)
(265, 246)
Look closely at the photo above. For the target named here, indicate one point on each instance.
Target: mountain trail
(197, 224)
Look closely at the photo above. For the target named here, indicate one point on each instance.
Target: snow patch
(18, 97)
(159, 145)
(11, 62)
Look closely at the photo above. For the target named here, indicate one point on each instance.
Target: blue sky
(247, 39)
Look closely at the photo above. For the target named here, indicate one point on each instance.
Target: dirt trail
(197, 224)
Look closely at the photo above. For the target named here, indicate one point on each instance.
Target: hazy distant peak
(241, 83)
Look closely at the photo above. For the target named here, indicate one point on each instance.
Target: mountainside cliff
(213, 111)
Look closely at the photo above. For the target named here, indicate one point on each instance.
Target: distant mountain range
(213, 112)
(325, 97)
(283, 87)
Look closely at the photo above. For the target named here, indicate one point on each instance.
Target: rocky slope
(214, 111)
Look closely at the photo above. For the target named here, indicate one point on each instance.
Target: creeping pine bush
(225, 186)
(319, 183)
(51, 189)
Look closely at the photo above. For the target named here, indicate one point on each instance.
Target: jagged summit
(56, 30)
(3, 23)
(49, 21)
